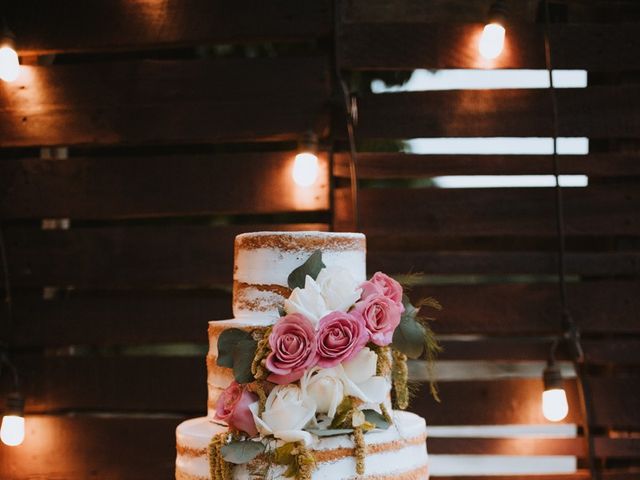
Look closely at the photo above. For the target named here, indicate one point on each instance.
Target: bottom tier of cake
(396, 453)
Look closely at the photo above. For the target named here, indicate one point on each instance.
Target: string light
(491, 41)
(305, 166)
(9, 61)
(12, 429)
(554, 398)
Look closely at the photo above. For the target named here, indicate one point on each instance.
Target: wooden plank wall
(161, 130)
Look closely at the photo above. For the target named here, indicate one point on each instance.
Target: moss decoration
(258, 367)
(219, 469)
(258, 389)
(298, 459)
(386, 414)
(400, 377)
(383, 365)
(360, 449)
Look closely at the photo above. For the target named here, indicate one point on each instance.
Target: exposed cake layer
(396, 453)
(264, 260)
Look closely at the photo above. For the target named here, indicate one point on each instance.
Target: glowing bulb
(9, 64)
(305, 169)
(554, 404)
(12, 430)
(491, 41)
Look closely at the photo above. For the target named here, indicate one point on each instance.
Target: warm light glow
(491, 41)
(305, 169)
(9, 64)
(554, 404)
(12, 430)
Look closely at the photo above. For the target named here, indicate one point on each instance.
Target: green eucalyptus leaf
(227, 343)
(311, 267)
(240, 452)
(243, 357)
(408, 337)
(329, 432)
(409, 309)
(376, 419)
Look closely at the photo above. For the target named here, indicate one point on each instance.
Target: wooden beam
(128, 257)
(428, 44)
(125, 187)
(52, 27)
(405, 165)
(594, 112)
(169, 101)
(599, 210)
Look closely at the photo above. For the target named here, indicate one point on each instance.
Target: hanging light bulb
(554, 398)
(12, 428)
(492, 38)
(305, 166)
(9, 61)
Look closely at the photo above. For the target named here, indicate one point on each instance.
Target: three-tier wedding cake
(303, 381)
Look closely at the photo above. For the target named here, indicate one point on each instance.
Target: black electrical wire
(8, 299)
(350, 108)
(571, 333)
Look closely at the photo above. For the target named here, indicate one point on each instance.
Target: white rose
(360, 379)
(339, 289)
(325, 387)
(308, 301)
(287, 411)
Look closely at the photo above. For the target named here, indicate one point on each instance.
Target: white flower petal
(289, 436)
(339, 289)
(362, 366)
(375, 389)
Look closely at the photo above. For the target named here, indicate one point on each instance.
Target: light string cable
(351, 109)
(570, 331)
(8, 300)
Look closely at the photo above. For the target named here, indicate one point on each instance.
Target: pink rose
(233, 408)
(381, 316)
(340, 336)
(293, 348)
(383, 284)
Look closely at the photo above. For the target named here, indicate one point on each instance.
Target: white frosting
(270, 266)
(196, 434)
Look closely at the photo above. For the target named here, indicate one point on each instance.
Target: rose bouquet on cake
(334, 363)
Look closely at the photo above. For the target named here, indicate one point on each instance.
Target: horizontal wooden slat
(114, 383)
(610, 210)
(504, 402)
(196, 101)
(604, 447)
(594, 112)
(83, 446)
(523, 309)
(495, 263)
(139, 257)
(405, 46)
(579, 475)
(402, 165)
(450, 11)
(139, 317)
(130, 383)
(50, 26)
(155, 186)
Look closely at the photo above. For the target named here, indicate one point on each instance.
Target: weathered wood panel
(133, 256)
(596, 264)
(84, 446)
(403, 165)
(594, 112)
(160, 102)
(426, 44)
(68, 26)
(102, 188)
(134, 318)
(610, 210)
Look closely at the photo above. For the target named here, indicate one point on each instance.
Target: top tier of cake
(264, 260)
